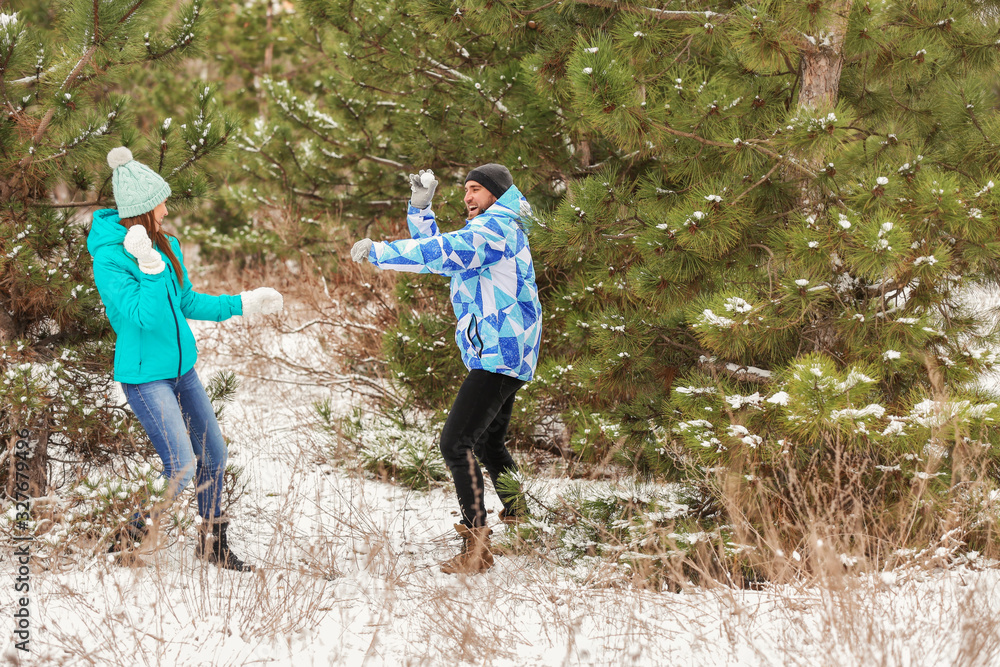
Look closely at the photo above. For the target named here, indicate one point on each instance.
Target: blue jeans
(180, 421)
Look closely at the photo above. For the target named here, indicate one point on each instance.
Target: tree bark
(8, 329)
(33, 469)
(820, 78)
(823, 60)
(820, 66)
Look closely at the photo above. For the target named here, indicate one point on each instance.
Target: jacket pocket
(472, 335)
(128, 346)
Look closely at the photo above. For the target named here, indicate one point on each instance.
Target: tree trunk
(28, 464)
(8, 329)
(823, 60)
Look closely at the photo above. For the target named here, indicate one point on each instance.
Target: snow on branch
(496, 102)
(736, 371)
(664, 14)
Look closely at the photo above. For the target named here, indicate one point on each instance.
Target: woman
(140, 274)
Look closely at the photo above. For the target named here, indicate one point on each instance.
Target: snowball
(119, 156)
(427, 178)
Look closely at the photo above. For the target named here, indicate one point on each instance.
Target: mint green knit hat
(138, 189)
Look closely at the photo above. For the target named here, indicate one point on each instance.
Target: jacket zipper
(468, 334)
(177, 327)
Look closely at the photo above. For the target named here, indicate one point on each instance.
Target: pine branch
(47, 119)
(529, 12)
(127, 15)
(153, 56)
(70, 204)
(385, 161)
(36, 78)
(738, 372)
(770, 278)
(663, 14)
(755, 144)
(975, 121)
(682, 346)
(200, 153)
(281, 167)
(311, 196)
(763, 179)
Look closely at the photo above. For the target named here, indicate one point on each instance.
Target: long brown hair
(157, 237)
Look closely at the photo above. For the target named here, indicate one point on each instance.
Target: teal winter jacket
(149, 313)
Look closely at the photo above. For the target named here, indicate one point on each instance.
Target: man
(495, 299)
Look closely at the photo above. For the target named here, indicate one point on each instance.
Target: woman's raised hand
(138, 245)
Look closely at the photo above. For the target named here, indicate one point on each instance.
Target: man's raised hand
(422, 187)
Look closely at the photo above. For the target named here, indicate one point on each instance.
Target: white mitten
(359, 252)
(138, 245)
(263, 300)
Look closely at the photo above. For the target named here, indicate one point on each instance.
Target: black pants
(476, 428)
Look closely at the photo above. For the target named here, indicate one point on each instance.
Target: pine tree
(66, 72)
(779, 279)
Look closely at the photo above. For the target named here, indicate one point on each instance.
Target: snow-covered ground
(348, 576)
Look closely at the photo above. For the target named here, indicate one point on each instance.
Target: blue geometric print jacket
(493, 288)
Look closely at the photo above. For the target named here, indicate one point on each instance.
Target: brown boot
(475, 555)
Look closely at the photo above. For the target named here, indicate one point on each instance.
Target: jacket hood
(105, 230)
(512, 203)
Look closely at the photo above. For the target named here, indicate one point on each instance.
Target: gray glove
(422, 187)
(359, 252)
(263, 300)
(138, 245)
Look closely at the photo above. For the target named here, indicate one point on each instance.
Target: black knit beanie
(494, 177)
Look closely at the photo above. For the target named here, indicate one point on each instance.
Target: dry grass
(342, 317)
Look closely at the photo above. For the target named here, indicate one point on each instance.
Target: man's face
(477, 199)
